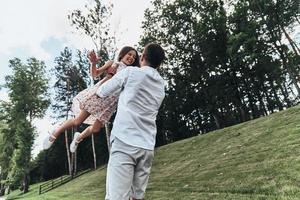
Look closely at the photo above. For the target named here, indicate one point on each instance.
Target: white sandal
(48, 141)
(74, 143)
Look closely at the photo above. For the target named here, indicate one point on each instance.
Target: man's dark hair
(154, 55)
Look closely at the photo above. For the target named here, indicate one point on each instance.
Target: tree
(27, 87)
(96, 25)
(71, 78)
(194, 35)
(7, 144)
(279, 18)
(257, 71)
(222, 66)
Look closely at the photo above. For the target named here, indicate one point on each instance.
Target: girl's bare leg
(49, 140)
(90, 130)
(78, 137)
(71, 122)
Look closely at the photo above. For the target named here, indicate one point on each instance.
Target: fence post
(51, 183)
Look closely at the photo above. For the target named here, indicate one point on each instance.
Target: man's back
(134, 129)
(142, 95)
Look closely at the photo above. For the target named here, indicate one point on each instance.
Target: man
(134, 128)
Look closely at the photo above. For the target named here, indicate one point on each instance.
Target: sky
(40, 28)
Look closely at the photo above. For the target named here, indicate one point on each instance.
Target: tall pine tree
(27, 87)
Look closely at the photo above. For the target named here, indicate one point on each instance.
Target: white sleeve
(114, 85)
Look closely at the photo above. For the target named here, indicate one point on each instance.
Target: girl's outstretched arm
(93, 60)
(112, 70)
(114, 85)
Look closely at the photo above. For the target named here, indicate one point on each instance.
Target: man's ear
(142, 57)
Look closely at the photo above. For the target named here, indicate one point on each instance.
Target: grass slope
(258, 159)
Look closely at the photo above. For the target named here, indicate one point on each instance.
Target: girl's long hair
(125, 50)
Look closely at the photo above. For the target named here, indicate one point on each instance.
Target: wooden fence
(54, 183)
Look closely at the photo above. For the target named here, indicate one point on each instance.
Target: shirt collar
(147, 67)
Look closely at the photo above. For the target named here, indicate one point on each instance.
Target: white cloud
(26, 24)
(43, 126)
(4, 95)
(127, 19)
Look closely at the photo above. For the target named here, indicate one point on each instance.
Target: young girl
(93, 109)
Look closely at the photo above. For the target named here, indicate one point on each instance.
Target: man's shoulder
(134, 68)
(128, 70)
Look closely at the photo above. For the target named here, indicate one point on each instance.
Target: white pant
(128, 171)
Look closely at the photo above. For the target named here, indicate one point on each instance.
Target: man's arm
(114, 84)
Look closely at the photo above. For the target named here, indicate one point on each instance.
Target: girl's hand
(93, 58)
(109, 63)
(102, 69)
(112, 70)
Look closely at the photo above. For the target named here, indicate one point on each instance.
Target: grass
(255, 160)
(88, 186)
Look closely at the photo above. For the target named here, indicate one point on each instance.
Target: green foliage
(71, 78)
(7, 139)
(28, 86)
(28, 100)
(22, 154)
(6, 147)
(51, 163)
(226, 62)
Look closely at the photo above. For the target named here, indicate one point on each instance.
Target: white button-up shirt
(142, 92)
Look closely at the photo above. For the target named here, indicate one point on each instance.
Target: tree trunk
(8, 189)
(94, 152)
(107, 132)
(238, 100)
(217, 120)
(298, 20)
(25, 184)
(278, 102)
(294, 80)
(74, 155)
(283, 57)
(269, 107)
(68, 152)
(74, 166)
(285, 94)
(281, 53)
(292, 43)
(75, 162)
(254, 111)
(2, 189)
(94, 81)
(242, 113)
(66, 134)
(262, 107)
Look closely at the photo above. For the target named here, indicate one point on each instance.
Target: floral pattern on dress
(100, 108)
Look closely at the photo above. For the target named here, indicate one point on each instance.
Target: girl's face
(129, 58)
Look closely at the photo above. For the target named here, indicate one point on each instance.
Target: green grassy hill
(259, 159)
